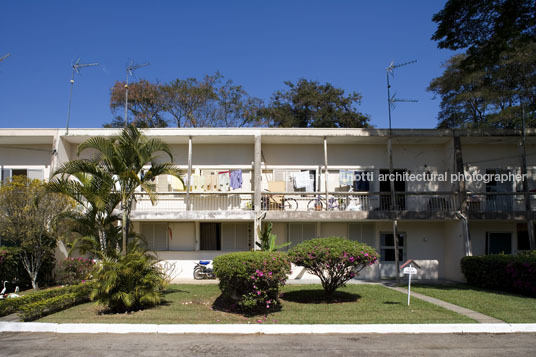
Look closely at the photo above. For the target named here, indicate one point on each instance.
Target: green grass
(193, 304)
(503, 306)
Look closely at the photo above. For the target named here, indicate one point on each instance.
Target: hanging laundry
(236, 179)
(346, 177)
(224, 181)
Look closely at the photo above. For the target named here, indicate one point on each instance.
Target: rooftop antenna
(6, 56)
(76, 69)
(130, 69)
(391, 100)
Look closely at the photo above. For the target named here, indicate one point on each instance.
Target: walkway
(477, 316)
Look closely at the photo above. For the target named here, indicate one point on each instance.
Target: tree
(492, 96)
(145, 104)
(95, 221)
(31, 218)
(487, 28)
(124, 157)
(210, 102)
(309, 104)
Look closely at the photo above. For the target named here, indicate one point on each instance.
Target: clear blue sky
(256, 44)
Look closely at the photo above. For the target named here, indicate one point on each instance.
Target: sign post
(409, 269)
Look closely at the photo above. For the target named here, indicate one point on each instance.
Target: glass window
(387, 247)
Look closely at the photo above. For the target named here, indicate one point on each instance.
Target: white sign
(410, 270)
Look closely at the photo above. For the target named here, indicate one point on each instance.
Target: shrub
(128, 283)
(9, 306)
(334, 260)
(515, 273)
(43, 307)
(252, 280)
(73, 271)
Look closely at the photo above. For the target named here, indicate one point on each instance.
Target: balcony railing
(359, 201)
(498, 202)
(207, 201)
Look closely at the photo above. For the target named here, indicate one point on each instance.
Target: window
(7, 174)
(210, 236)
(362, 232)
(235, 236)
(497, 243)
(155, 235)
(523, 242)
(299, 232)
(387, 247)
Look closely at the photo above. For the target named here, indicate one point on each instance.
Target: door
(497, 243)
(400, 186)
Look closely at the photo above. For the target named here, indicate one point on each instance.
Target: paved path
(477, 316)
(161, 345)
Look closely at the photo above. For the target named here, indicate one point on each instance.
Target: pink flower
(258, 292)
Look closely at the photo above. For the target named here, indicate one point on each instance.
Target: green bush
(9, 306)
(334, 260)
(252, 280)
(38, 309)
(73, 271)
(515, 273)
(128, 283)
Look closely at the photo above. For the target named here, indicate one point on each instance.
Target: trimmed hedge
(252, 280)
(335, 260)
(9, 306)
(54, 304)
(514, 273)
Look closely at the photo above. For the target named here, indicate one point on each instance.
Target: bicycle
(334, 203)
(278, 202)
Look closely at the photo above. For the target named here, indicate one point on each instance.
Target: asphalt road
(51, 344)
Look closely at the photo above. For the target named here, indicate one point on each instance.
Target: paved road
(50, 344)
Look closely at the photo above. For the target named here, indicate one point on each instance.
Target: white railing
(497, 202)
(359, 201)
(206, 201)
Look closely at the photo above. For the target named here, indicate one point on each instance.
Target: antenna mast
(6, 56)
(132, 67)
(76, 68)
(391, 100)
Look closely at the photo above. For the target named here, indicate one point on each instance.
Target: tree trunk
(124, 228)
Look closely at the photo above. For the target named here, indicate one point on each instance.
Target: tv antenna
(76, 69)
(130, 72)
(391, 100)
(4, 57)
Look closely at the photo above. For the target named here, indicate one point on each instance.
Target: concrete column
(189, 173)
(326, 171)
(393, 206)
(257, 199)
(197, 233)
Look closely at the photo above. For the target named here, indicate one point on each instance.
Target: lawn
(301, 304)
(503, 306)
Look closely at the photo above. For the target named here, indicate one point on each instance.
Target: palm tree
(94, 221)
(124, 157)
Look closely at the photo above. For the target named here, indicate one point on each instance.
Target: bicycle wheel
(290, 204)
(315, 205)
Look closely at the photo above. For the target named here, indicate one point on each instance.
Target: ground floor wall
(437, 246)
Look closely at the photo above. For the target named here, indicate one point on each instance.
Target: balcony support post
(189, 185)
(528, 208)
(326, 172)
(393, 205)
(462, 193)
(257, 186)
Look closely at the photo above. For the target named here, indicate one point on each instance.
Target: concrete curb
(265, 329)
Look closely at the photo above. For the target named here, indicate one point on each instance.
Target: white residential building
(242, 177)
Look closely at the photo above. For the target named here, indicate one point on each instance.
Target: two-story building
(318, 183)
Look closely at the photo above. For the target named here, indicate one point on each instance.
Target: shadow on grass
(226, 305)
(318, 296)
(391, 302)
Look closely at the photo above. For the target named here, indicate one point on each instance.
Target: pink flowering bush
(334, 260)
(73, 271)
(252, 280)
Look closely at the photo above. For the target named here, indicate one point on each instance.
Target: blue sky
(258, 44)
